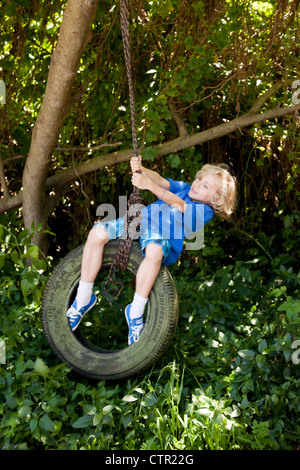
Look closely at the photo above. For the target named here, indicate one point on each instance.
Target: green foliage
(228, 381)
(23, 265)
(208, 59)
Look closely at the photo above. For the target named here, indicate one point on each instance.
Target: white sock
(84, 293)
(137, 306)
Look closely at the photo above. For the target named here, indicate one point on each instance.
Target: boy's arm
(157, 178)
(143, 181)
(152, 175)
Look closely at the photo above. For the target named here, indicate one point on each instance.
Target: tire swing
(98, 348)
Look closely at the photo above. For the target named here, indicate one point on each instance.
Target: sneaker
(75, 316)
(135, 326)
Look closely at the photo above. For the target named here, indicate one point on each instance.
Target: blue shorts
(115, 229)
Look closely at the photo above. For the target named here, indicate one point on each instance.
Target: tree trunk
(74, 34)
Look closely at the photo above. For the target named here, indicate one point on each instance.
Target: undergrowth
(229, 380)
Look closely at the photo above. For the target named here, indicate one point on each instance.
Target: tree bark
(73, 36)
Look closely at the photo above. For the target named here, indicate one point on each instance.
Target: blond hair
(224, 201)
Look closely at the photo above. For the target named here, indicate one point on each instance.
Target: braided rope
(125, 38)
(133, 215)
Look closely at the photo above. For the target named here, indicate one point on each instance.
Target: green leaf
(41, 368)
(2, 259)
(33, 252)
(262, 347)
(89, 409)
(97, 419)
(126, 420)
(244, 403)
(246, 353)
(174, 160)
(33, 424)
(149, 400)
(46, 423)
(108, 408)
(189, 43)
(11, 402)
(260, 361)
(292, 309)
(25, 408)
(149, 154)
(129, 398)
(83, 422)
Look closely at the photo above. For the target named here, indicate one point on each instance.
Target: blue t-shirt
(171, 223)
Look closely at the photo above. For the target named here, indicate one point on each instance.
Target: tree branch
(179, 122)
(173, 146)
(264, 97)
(87, 149)
(245, 120)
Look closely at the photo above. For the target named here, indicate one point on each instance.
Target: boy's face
(203, 189)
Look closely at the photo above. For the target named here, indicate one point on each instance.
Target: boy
(181, 209)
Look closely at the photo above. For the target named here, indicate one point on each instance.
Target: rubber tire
(92, 361)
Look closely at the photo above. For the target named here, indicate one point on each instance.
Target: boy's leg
(90, 266)
(145, 279)
(149, 269)
(91, 263)
(93, 253)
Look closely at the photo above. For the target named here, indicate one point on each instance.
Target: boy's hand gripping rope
(133, 215)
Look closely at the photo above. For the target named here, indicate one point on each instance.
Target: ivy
(229, 380)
